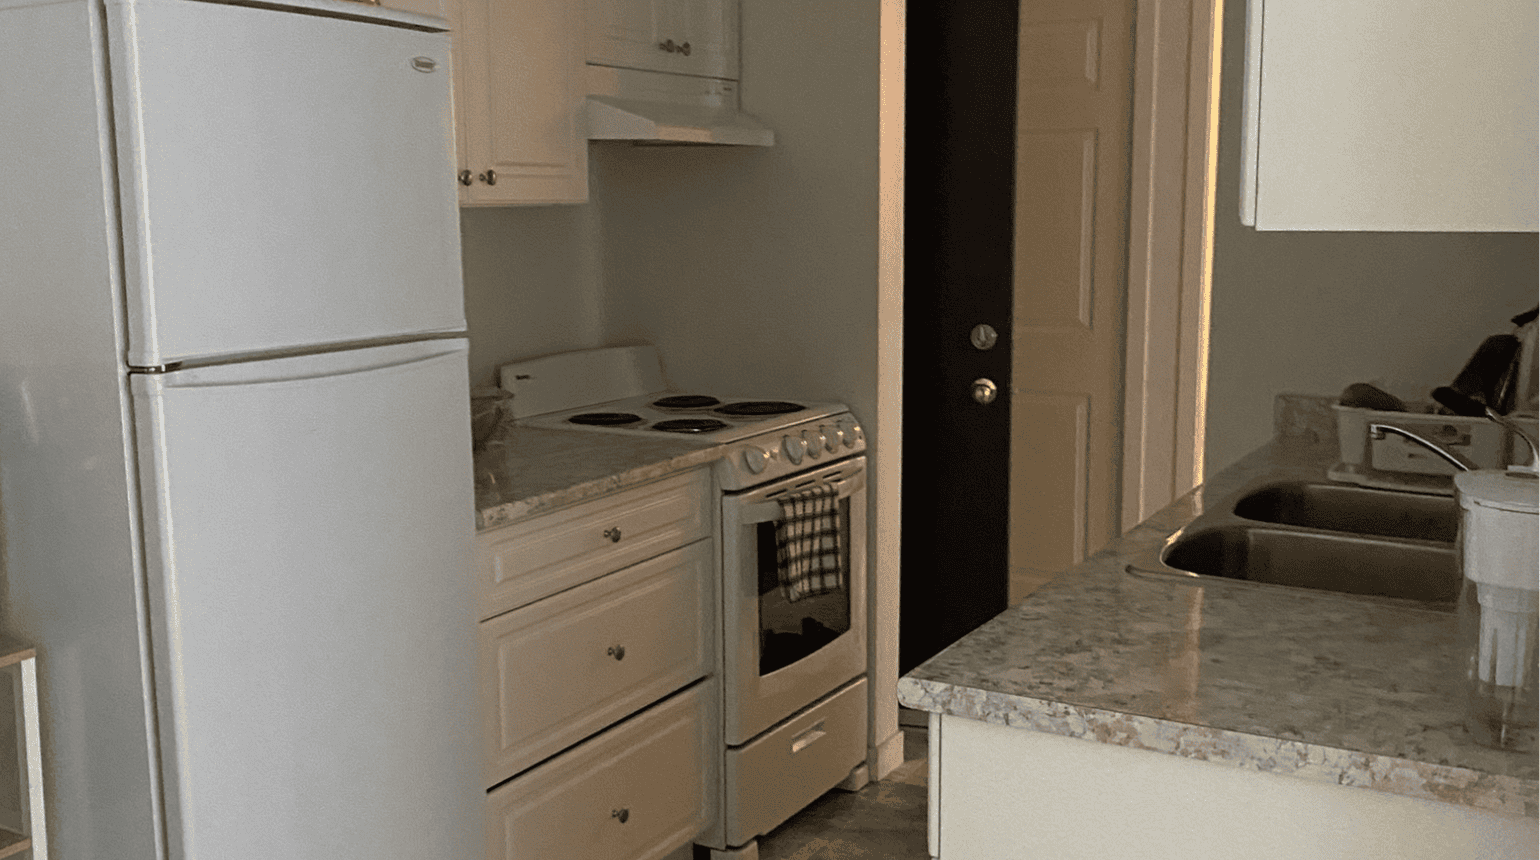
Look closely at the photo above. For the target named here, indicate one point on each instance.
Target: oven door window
(790, 631)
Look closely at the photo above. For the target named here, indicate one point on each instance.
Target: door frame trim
(1170, 250)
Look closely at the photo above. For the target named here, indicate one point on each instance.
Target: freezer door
(287, 179)
(308, 528)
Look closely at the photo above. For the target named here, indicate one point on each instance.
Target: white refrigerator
(235, 477)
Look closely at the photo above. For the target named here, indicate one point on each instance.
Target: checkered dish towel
(808, 555)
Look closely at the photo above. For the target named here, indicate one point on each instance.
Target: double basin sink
(1331, 537)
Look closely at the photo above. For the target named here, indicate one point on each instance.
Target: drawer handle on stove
(622, 813)
(613, 534)
(807, 738)
(617, 651)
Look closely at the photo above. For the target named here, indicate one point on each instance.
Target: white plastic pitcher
(1500, 604)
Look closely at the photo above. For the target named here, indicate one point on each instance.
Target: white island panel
(1006, 793)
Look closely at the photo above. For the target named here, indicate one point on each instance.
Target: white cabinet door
(686, 37)
(519, 101)
(1391, 115)
(309, 522)
(285, 179)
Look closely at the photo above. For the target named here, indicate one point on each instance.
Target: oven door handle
(755, 513)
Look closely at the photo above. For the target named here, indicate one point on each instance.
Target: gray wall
(533, 283)
(1314, 312)
(752, 269)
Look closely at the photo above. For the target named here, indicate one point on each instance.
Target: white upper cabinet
(519, 94)
(686, 37)
(1407, 115)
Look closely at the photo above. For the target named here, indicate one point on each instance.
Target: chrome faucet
(1514, 428)
(1378, 431)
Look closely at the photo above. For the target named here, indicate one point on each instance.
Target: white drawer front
(563, 668)
(527, 561)
(783, 770)
(636, 792)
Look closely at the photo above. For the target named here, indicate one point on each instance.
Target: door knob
(985, 391)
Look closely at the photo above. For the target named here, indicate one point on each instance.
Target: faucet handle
(1517, 430)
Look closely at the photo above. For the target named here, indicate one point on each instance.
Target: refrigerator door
(287, 179)
(308, 529)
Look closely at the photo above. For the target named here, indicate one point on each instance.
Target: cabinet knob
(668, 46)
(490, 177)
(465, 177)
(621, 813)
(613, 534)
(685, 49)
(617, 651)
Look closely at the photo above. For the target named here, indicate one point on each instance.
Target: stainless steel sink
(1426, 571)
(1327, 537)
(1354, 509)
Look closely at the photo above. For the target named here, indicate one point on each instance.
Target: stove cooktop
(706, 418)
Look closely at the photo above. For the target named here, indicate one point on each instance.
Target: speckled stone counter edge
(1491, 792)
(509, 512)
(526, 472)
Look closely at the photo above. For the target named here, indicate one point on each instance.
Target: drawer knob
(617, 651)
(613, 534)
(621, 813)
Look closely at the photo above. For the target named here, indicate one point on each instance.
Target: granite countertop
(523, 471)
(1327, 687)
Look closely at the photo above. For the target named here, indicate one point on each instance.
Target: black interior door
(959, 177)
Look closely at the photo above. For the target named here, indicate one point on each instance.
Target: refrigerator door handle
(301, 367)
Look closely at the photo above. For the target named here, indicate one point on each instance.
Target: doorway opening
(980, 218)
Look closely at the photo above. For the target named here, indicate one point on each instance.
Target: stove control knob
(833, 436)
(756, 459)
(815, 443)
(853, 432)
(795, 447)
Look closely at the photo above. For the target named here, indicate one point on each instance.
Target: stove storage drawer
(526, 561)
(564, 668)
(776, 775)
(636, 792)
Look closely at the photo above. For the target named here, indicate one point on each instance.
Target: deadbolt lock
(984, 336)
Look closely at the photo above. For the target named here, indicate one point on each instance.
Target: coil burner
(605, 419)
(759, 407)
(689, 425)
(686, 401)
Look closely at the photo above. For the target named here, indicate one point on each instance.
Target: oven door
(781, 656)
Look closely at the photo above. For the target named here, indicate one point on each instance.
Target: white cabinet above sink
(1393, 115)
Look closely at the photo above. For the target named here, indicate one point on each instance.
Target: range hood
(653, 107)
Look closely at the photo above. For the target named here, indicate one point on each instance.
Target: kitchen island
(1115, 714)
